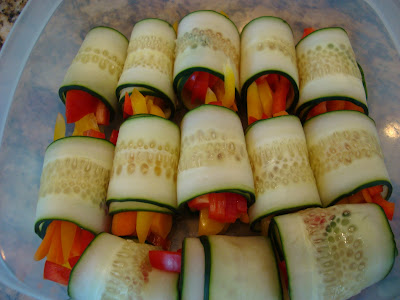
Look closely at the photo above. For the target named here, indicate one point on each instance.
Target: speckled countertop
(9, 12)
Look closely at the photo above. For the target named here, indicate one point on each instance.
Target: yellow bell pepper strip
(266, 98)
(254, 108)
(124, 223)
(68, 231)
(175, 26)
(210, 96)
(143, 224)
(209, 226)
(229, 86)
(138, 103)
(149, 102)
(59, 128)
(156, 110)
(224, 13)
(161, 225)
(86, 123)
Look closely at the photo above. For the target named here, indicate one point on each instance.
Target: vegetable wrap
(207, 42)
(149, 63)
(74, 182)
(267, 47)
(227, 267)
(114, 268)
(335, 252)
(328, 70)
(97, 66)
(213, 155)
(345, 155)
(145, 165)
(283, 177)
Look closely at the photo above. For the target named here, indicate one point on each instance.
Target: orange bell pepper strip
(161, 225)
(124, 223)
(279, 103)
(44, 247)
(336, 105)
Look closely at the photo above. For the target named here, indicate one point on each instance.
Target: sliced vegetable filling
(218, 210)
(137, 103)
(63, 244)
(205, 88)
(267, 97)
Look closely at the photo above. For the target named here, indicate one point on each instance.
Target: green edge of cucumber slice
(207, 265)
(42, 224)
(171, 208)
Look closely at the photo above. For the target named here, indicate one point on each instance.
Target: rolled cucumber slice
(334, 252)
(192, 270)
(207, 40)
(241, 268)
(74, 181)
(114, 268)
(345, 155)
(328, 70)
(149, 62)
(97, 66)
(283, 178)
(267, 46)
(145, 165)
(213, 155)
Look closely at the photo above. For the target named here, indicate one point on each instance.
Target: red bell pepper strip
(56, 273)
(212, 80)
(73, 260)
(128, 110)
(166, 261)
(94, 133)
(219, 103)
(86, 238)
(273, 81)
(252, 120)
(317, 110)
(102, 114)
(78, 104)
(200, 87)
(282, 89)
(260, 79)
(190, 82)
(199, 203)
(335, 105)
(307, 31)
(114, 136)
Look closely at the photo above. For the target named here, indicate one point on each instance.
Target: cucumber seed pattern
(285, 47)
(129, 272)
(207, 38)
(77, 177)
(326, 59)
(145, 157)
(279, 164)
(338, 249)
(341, 148)
(208, 148)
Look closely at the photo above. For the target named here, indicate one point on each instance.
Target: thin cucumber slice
(242, 267)
(114, 268)
(149, 62)
(345, 155)
(283, 178)
(328, 70)
(206, 41)
(74, 181)
(334, 252)
(213, 155)
(97, 66)
(145, 163)
(267, 47)
(192, 272)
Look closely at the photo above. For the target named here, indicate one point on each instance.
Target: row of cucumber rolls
(210, 164)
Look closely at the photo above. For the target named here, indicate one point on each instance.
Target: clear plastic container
(47, 36)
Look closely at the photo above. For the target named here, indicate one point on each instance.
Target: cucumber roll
(207, 60)
(74, 182)
(149, 63)
(114, 268)
(283, 177)
(328, 71)
(346, 157)
(143, 178)
(97, 66)
(267, 48)
(214, 162)
(336, 252)
(227, 267)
